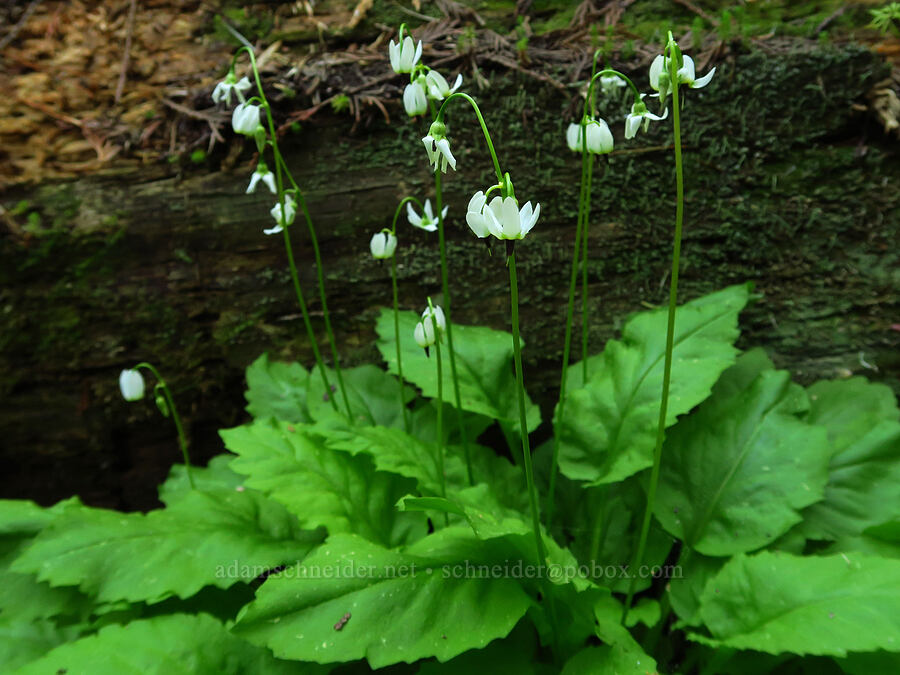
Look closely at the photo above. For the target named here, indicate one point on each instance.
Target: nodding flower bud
(383, 245)
(131, 384)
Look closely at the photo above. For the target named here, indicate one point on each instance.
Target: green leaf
(373, 394)
(609, 660)
(217, 475)
(736, 473)
(484, 356)
(168, 645)
(277, 390)
(23, 640)
(864, 474)
(608, 430)
(22, 596)
(175, 551)
(402, 606)
(774, 602)
(515, 654)
(321, 486)
(685, 591)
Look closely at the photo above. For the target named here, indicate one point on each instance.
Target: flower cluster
(424, 82)
(246, 119)
(425, 334)
(599, 138)
(501, 218)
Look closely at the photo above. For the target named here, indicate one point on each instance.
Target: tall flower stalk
(579, 252)
(283, 213)
(672, 66)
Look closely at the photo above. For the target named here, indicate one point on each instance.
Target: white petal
(376, 245)
(414, 218)
(444, 212)
(703, 81)
(476, 203)
(478, 224)
(655, 69)
(512, 226)
(687, 74)
(274, 230)
(492, 223)
(221, 91)
(444, 146)
(632, 124)
(534, 217)
(394, 53)
(254, 179)
(573, 137)
(418, 53)
(429, 214)
(269, 180)
(456, 84)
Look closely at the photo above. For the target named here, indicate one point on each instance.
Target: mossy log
(788, 186)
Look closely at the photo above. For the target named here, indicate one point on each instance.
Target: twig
(14, 31)
(509, 63)
(696, 10)
(129, 33)
(831, 17)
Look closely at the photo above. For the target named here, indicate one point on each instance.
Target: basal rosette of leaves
(319, 541)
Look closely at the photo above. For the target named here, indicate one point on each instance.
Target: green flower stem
(670, 330)
(526, 449)
(279, 179)
(404, 201)
(397, 340)
(585, 324)
(170, 404)
(484, 129)
(445, 289)
(440, 408)
(301, 202)
(567, 346)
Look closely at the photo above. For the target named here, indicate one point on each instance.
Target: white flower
(131, 384)
(414, 100)
(383, 245)
(427, 221)
(290, 212)
(475, 217)
(659, 78)
(263, 174)
(610, 83)
(404, 55)
(424, 334)
(245, 119)
(599, 137)
(438, 88)
(504, 219)
(230, 83)
(438, 150)
(638, 114)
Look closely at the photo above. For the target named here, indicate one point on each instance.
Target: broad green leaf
(168, 645)
(515, 654)
(392, 450)
(321, 486)
(175, 551)
(864, 474)
(736, 473)
(609, 660)
(423, 423)
(217, 475)
(23, 640)
(373, 394)
(278, 390)
(22, 596)
(400, 606)
(603, 522)
(608, 428)
(685, 591)
(775, 602)
(484, 357)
